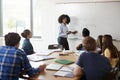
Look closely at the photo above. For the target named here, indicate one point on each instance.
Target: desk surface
(48, 75)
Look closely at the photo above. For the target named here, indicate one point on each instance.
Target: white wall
(49, 24)
(49, 21)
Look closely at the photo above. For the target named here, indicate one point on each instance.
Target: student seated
(91, 64)
(109, 50)
(14, 61)
(85, 33)
(99, 44)
(27, 46)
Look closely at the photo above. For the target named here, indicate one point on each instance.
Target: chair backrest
(113, 74)
(55, 46)
(118, 64)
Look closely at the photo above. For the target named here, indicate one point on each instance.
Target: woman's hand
(74, 32)
(69, 32)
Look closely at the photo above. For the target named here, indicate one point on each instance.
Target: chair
(55, 46)
(113, 74)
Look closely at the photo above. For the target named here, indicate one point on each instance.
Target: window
(16, 15)
(36, 18)
(19, 15)
(1, 19)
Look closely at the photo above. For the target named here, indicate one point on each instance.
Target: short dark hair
(25, 33)
(89, 43)
(85, 32)
(61, 17)
(12, 39)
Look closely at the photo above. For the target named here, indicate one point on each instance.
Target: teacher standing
(63, 31)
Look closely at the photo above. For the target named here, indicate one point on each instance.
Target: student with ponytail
(27, 46)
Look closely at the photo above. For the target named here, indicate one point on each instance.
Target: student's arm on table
(78, 72)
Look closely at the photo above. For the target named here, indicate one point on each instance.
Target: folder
(63, 61)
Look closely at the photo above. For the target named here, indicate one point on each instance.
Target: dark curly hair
(85, 32)
(61, 17)
(12, 39)
(25, 33)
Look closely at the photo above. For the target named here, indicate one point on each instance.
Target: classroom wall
(49, 23)
(74, 42)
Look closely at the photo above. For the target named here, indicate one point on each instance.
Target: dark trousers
(63, 41)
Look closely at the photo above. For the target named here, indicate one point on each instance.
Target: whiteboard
(100, 18)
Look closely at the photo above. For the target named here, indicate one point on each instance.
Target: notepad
(63, 61)
(53, 67)
(64, 74)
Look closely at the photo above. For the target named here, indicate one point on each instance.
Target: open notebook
(39, 58)
(66, 71)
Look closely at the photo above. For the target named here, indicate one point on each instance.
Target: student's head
(85, 32)
(99, 41)
(107, 43)
(26, 34)
(89, 43)
(107, 40)
(64, 19)
(12, 39)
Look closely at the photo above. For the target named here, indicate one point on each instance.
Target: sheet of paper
(67, 51)
(45, 52)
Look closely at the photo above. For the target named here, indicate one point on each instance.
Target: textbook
(63, 61)
(53, 67)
